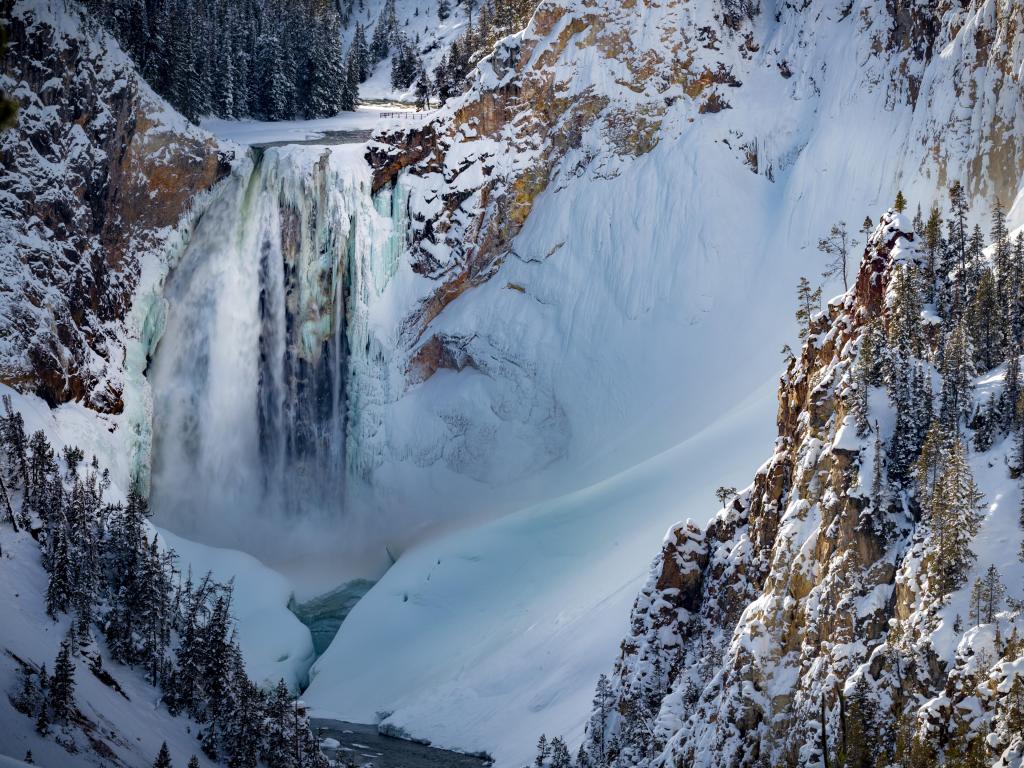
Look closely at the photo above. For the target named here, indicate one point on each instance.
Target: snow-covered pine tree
(61, 693)
(543, 751)
(163, 758)
(1010, 396)
(836, 246)
(560, 757)
(953, 519)
(603, 701)
(861, 726)
(61, 587)
(993, 593)
(957, 370)
(808, 303)
(984, 318)
(327, 77)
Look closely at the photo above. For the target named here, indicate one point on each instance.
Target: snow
(133, 725)
(655, 293)
(274, 643)
(484, 638)
(366, 118)
(417, 19)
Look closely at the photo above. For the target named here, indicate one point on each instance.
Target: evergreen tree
(163, 758)
(932, 237)
(866, 228)
(1011, 394)
(901, 203)
(62, 685)
(279, 732)
(808, 303)
(60, 588)
(957, 370)
(603, 701)
(543, 751)
(878, 489)
(957, 226)
(444, 10)
(862, 726)
(42, 724)
(560, 757)
(984, 318)
(327, 76)
(993, 593)
(837, 247)
(904, 445)
(423, 90)
(953, 517)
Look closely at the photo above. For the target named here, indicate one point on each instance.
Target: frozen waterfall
(251, 375)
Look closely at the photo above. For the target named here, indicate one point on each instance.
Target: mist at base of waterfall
(250, 373)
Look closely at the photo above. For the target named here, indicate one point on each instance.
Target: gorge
(452, 382)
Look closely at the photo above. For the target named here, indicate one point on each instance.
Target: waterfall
(265, 329)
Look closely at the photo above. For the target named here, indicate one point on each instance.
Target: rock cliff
(98, 172)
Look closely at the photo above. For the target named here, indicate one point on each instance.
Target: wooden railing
(404, 114)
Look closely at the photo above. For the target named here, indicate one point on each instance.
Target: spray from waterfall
(264, 329)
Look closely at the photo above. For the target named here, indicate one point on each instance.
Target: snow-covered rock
(98, 173)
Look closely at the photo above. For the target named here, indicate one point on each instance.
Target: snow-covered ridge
(818, 580)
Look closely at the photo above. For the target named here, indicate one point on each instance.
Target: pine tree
(953, 516)
(808, 303)
(906, 336)
(993, 594)
(603, 701)
(901, 203)
(60, 588)
(443, 10)
(543, 751)
(862, 726)
(932, 236)
(1011, 394)
(42, 724)
(903, 446)
(984, 319)
(866, 228)
(877, 482)
(957, 238)
(193, 762)
(560, 757)
(278, 735)
(977, 612)
(836, 245)
(360, 54)
(163, 758)
(327, 77)
(957, 370)
(62, 686)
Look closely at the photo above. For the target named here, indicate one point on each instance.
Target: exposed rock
(97, 174)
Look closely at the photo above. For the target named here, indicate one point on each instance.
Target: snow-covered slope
(485, 638)
(820, 578)
(418, 20)
(606, 236)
